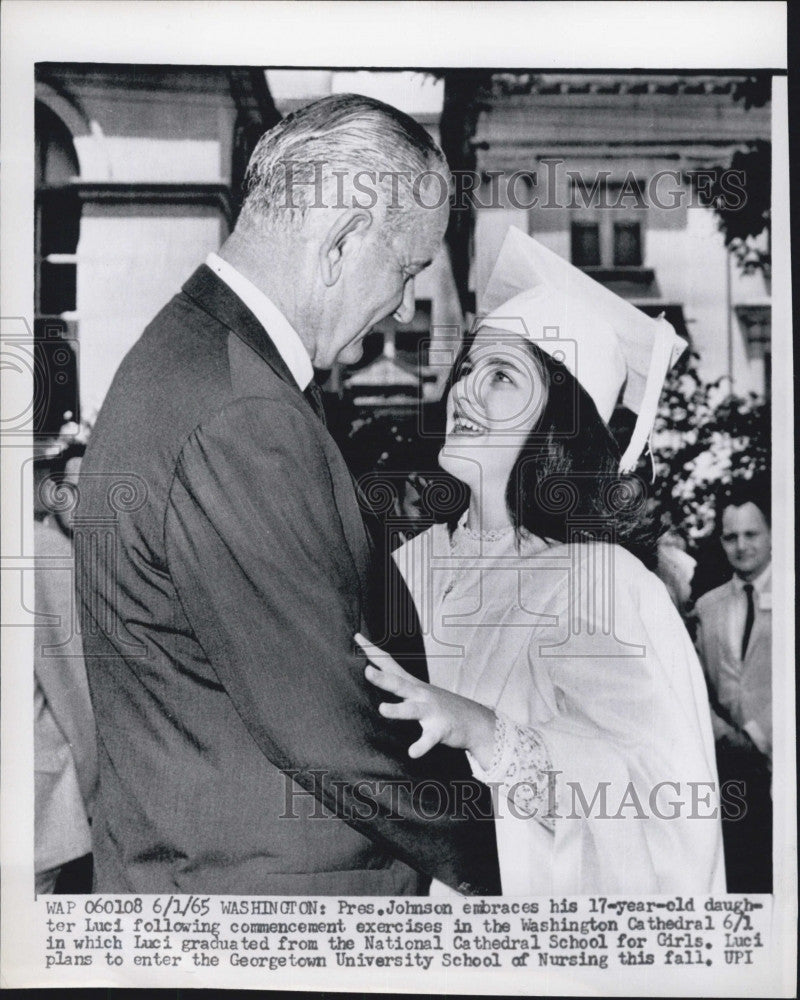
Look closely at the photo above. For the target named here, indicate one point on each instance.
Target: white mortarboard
(534, 292)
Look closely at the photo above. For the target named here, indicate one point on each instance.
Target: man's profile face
(746, 539)
(381, 283)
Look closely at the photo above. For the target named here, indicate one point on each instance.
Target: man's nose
(405, 311)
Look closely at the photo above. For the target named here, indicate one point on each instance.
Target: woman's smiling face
(492, 408)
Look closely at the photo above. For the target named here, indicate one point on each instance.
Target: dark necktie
(313, 394)
(750, 618)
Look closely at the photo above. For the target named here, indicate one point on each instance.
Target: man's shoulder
(181, 338)
(273, 421)
(185, 367)
(194, 359)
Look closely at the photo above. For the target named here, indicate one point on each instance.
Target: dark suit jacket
(222, 566)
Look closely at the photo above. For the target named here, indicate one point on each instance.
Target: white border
(783, 504)
(687, 35)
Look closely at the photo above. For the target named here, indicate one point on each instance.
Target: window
(627, 244)
(756, 324)
(607, 224)
(586, 244)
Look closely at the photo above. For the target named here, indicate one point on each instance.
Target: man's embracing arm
(256, 550)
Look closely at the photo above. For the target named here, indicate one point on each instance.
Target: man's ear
(340, 239)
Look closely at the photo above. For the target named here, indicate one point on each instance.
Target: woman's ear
(342, 238)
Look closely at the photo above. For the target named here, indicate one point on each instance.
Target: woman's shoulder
(590, 550)
(604, 578)
(603, 559)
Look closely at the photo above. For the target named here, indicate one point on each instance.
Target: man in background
(65, 754)
(734, 641)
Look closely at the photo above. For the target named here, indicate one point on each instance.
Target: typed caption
(315, 938)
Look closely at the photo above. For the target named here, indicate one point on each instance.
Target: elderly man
(240, 748)
(735, 644)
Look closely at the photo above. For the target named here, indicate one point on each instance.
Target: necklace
(472, 544)
(476, 546)
(493, 535)
(463, 534)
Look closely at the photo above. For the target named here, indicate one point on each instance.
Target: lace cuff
(520, 763)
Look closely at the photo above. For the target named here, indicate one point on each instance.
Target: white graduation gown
(581, 646)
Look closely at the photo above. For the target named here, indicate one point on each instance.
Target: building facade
(139, 169)
(611, 172)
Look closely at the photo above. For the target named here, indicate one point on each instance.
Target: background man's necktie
(750, 617)
(313, 394)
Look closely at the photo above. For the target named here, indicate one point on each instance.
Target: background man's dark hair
(757, 490)
(713, 567)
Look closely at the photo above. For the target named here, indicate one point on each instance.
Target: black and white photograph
(392, 482)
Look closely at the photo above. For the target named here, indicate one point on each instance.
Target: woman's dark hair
(565, 484)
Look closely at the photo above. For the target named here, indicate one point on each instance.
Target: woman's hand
(445, 717)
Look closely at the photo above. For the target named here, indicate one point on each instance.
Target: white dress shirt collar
(760, 584)
(281, 332)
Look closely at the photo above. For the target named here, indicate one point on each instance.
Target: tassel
(660, 363)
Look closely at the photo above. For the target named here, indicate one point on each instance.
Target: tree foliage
(743, 221)
(703, 440)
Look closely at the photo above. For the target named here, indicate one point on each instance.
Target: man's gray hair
(344, 150)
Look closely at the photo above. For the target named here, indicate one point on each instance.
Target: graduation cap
(604, 341)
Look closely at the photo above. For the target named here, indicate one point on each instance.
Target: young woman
(556, 658)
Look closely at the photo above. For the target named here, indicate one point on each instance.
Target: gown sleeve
(520, 768)
(620, 762)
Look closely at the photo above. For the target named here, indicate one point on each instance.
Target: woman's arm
(503, 753)
(445, 717)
